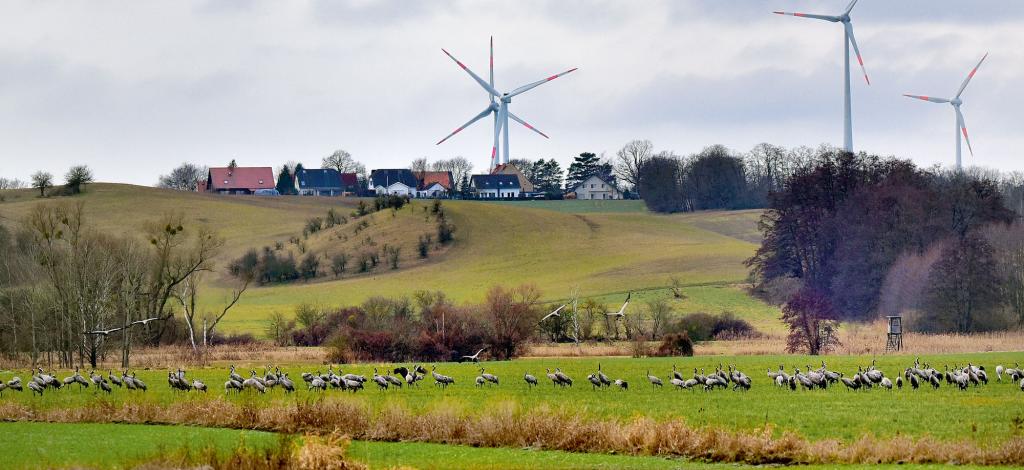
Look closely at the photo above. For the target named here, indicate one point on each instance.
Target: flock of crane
(914, 377)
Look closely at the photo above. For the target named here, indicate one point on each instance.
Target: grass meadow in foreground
(985, 414)
(47, 445)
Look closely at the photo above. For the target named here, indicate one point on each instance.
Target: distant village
(504, 182)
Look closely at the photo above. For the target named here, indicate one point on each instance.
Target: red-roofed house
(240, 180)
(434, 184)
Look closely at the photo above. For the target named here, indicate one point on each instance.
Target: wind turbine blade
(832, 19)
(479, 80)
(963, 129)
(528, 87)
(528, 126)
(849, 8)
(478, 117)
(856, 50)
(970, 76)
(928, 98)
(492, 66)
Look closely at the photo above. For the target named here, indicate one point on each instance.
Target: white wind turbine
(499, 103)
(961, 127)
(848, 39)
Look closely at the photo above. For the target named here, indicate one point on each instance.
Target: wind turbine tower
(848, 39)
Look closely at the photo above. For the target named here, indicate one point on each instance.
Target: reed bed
(509, 425)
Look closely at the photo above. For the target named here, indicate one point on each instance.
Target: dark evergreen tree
(588, 164)
(285, 184)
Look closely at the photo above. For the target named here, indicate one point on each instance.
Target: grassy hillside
(558, 245)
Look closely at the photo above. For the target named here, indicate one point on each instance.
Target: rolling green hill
(603, 250)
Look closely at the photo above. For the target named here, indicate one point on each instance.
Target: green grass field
(47, 445)
(603, 248)
(983, 413)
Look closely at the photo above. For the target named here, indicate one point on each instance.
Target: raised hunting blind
(894, 336)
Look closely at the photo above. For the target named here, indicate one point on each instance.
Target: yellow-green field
(604, 251)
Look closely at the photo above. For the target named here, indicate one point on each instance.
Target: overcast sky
(133, 88)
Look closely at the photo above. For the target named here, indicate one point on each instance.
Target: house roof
(315, 178)
(495, 182)
(349, 179)
(251, 178)
(443, 178)
(510, 169)
(387, 177)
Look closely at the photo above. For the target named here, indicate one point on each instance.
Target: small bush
(338, 351)
(445, 231)
(675, 344)
(313, 225)
(706, 327)
(423, 247)
(309, 266)
(338, 264)
(393, 254)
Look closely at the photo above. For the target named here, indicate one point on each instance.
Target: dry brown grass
(315, 453)
(856, 338)
(508, 425)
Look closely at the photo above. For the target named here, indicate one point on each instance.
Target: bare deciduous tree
(630, 158)
(460, 168)
(42, 181)
(342, 161)
(185, 177)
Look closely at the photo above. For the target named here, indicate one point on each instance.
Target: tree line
(852, 236)
(71, 293)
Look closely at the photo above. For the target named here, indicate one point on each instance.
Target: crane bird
(440, 379)
(480, 381)
(679, 384)
(103, 332)
(594, 381)
(622, 311)
(232, 384)
(254, 383)
(999, 373)
(656, 382)
(15, 384)
(238, 378)
(554, 313)
(622, 384)
(552, 377)
(677, 375)
(139, 384)
(114, 379)
(286, 383)
(146, 321)
(531, 381)
(475, 357)
(886, 383)
(35, 387)
(601, 377)
(564, 379)
(381, 382)
(490, 378)
(198, 385)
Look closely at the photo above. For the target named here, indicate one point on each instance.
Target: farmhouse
(596, 188)
(510, 169)
(435, 184)
(495, 186)
(239, 180)
(319, 182)
(401, 182)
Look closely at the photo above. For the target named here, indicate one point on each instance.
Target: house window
(602, 185)
(591, 185)
(261, 181)
(225, 181)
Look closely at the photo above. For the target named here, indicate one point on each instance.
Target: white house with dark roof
(495, 186)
